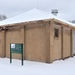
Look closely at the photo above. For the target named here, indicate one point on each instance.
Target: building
(45, 37)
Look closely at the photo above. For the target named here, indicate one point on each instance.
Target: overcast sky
(13, 7)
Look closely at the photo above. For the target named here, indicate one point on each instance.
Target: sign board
(16, 48)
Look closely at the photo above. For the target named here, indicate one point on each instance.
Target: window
(56, 32)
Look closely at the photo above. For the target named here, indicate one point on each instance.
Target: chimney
(54, 12)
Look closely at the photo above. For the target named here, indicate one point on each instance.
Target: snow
(32, 15)
(61, 67)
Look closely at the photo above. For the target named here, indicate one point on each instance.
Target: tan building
(45, 38)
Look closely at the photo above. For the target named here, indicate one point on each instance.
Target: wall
(55, 43)
(39, 42)
(14, 36)
(73, 42)
(34, 39)
(66, 42)
(36, 43)
(1, 43)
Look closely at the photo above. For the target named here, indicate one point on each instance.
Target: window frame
(56, 33)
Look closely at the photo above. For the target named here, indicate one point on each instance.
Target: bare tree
(3, 17)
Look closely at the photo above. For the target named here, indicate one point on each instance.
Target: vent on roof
(54, 12)
(72, 21)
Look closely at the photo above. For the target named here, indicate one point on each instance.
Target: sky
(13, 7)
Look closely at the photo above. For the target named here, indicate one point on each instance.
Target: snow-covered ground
(66, 67)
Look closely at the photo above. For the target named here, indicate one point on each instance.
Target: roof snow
(32, 15)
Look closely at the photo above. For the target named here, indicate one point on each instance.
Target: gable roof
(32, 15)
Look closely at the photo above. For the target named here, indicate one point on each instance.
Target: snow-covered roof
(32, 15)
